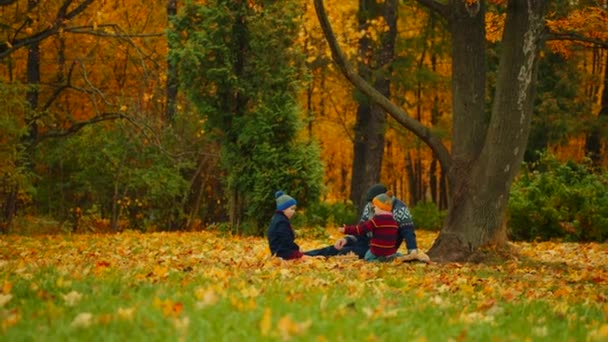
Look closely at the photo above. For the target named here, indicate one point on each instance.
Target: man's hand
(340, 243)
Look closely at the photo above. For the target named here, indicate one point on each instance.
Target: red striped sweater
(384, 231)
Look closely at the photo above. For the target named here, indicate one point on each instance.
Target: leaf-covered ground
(208, 286)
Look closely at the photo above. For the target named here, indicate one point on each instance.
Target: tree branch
(73, 13)
(57, 92)
(62, 15)
(89, 30)
(575, 38)
(77, 126)
(421, 131)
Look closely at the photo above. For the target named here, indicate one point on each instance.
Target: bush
(322, 214)
(559, 200)
(428, 216)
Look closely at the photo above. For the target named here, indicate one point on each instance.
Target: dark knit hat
(374, 191)
(284, 201)
(384, 201)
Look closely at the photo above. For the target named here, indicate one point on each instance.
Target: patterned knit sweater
(384, 231)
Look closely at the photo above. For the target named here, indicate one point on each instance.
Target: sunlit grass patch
(201, 286)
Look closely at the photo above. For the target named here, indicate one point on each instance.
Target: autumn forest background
(142, 142)
(182, 115)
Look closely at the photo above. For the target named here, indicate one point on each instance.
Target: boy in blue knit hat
(281, 238)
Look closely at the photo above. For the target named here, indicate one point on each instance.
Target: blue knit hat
(284, 201)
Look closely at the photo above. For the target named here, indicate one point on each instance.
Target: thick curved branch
(575, 38)
(421, 131)
(77, 126)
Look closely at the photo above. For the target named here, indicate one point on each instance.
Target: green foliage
(15, 176)
(327, 214)
(561, 109)
(559, 200)
(116, 173)
(242, 71)
(313, 221)
(428, 216)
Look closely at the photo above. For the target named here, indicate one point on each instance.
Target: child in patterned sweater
(383, 228)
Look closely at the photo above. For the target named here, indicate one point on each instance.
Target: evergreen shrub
(559, 200)
(428, 216)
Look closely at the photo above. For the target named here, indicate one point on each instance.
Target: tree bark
(370, 124)
(172, 76)
(486, 163)
(593, 144)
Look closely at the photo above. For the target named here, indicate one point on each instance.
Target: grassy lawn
(203, 286)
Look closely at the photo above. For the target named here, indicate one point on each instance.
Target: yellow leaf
(288, 328)
(7, 287)
(126, 314)
(5, 298)
(206, 297)
(250, 292)
(72, 298)
(82, 320)
(600, 334)
(182, 324)
(266, 322)
(160, 271)
(11, 318)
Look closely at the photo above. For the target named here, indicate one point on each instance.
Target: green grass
(200, 287)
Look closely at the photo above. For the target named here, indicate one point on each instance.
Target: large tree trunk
(593, 144)
(371, 118)
(486, 164)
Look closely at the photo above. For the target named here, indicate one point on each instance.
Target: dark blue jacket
(281, 237)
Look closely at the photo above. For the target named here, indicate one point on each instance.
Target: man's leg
(325, 251)
(332, 251)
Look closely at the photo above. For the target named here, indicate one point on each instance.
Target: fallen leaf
(126, 313)
(266, 322)
(4, 298)
(82, 320)
(72, 298)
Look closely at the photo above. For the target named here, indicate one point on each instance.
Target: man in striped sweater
(383, 228)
